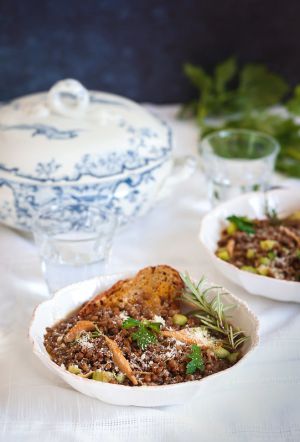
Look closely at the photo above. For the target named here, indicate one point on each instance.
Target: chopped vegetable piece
(179, 319)
(249, 269)
(74, 369)
(251, 253)
(263, 270)
(221, 352)
(223, 254)
(272, 255)
(231, 228)
(120, 378)
(267, 244)
(233, 357)
(102, 376)
(196, 362)
(298, 253)
(264, 260)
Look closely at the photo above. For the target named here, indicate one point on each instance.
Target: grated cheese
(84, 342)
(157, 318)
(123, 315)
(200, 334)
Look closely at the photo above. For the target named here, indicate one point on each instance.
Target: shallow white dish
(71, 297)
(252, 205)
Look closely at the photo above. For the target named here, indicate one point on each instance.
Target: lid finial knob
(68, 98)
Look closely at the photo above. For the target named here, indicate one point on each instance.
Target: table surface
(261, 402)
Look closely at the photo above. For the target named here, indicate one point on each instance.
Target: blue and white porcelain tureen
(90, 146)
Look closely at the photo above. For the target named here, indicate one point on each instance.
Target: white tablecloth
(261, 402)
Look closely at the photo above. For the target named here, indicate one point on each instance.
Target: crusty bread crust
(152, 286)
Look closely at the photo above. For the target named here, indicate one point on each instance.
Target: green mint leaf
(196, 362)
(224, 72)
(260, 88)
(293, 104)
(144, 337)
(242, 223)
(130, 322)
(198, 77)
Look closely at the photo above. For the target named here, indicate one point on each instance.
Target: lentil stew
(137, 333)
(268, 247)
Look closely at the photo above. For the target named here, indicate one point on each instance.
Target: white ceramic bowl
(252, 205)
(71, 297)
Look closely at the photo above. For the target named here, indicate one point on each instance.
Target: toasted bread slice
(152, 286)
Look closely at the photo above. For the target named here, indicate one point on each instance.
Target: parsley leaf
(242, 223)
(144, 337)
(196, 362)
(130, 322)
(146, 331)
(153, 325)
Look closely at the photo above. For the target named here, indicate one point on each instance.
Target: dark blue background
(136, 48)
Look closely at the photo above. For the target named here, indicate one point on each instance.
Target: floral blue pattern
(49, 132)
(142, 152)
(127, 197)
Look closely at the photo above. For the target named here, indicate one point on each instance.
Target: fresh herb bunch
(146, 332)
(196, 360)
(242, 99)
(242, 223)
(212, 313)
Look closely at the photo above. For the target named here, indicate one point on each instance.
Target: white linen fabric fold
(260, 402)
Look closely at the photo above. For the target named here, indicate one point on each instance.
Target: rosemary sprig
(212, 313)
(97, 332)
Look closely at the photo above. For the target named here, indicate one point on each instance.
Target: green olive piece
(249, 269)
(221, 352)
(267, 244)
(251, 253)
(223, 254)
(231, 228)
(102, 376)
(233, 357)
(74, 369)
(179, 319)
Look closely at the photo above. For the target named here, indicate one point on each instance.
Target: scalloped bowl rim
(223, 265)
(114, 388)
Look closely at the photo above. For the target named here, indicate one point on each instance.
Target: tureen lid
(71, 134)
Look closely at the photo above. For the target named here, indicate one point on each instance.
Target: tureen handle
(68, 97)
